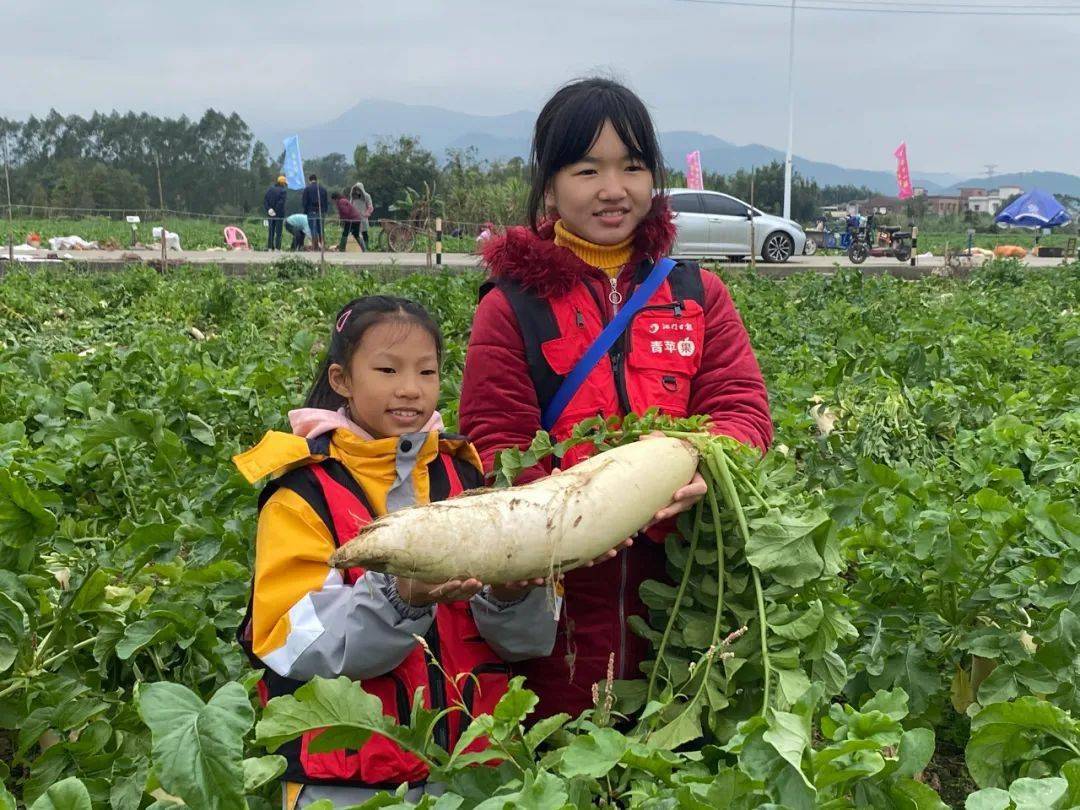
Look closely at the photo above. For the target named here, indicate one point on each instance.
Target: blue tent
(1036, 209)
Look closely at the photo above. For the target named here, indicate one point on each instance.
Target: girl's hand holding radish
(513, 591)
(684, 499)
(422, 594)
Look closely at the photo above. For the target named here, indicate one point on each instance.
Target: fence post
(914, 242)
(164, 227)
(322, 232)
(438, 241)
(11, 225)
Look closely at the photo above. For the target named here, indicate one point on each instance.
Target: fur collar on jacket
(543, 268)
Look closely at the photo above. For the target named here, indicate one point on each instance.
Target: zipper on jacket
(616, 352)
(615, 297)
(437, 686)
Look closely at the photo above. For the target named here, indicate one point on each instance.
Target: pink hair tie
(344, 317)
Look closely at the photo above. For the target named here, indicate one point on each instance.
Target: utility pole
(164, 229)
(791, 113)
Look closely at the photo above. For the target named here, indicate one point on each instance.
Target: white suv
(713, 224)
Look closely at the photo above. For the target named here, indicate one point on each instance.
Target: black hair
(569, 125)
(352, 322)
(335, 195)
(311, 177)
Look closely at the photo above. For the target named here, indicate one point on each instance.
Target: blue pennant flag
(293, 168)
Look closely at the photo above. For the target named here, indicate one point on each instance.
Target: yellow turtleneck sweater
(608, 258)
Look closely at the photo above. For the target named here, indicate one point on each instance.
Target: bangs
(578, 126)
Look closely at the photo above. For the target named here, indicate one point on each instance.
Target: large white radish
(555, 524)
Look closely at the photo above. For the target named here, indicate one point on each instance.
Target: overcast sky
(961, 91)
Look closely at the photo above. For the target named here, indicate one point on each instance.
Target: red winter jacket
(499, 408)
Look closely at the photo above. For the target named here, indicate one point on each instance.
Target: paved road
(240, 260)
(247, 257)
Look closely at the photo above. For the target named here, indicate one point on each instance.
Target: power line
(1042, 11)
(902, 4)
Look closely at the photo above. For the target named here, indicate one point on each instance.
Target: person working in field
(298, 227)
(368, 442)
(350, 220)
(596, 233)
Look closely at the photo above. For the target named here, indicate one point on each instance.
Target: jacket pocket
(562, 353)
(597, 392)
(663, 355)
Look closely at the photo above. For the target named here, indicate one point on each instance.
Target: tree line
(216, 165)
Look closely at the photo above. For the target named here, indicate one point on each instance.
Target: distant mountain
(438, 129)
(492, 147)
(1054, 182)
(499, 137)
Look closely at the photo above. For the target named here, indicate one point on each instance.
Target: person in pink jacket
(350, 221)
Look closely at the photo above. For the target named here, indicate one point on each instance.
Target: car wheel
(778, 248)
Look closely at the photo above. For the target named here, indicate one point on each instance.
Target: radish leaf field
(916, 535)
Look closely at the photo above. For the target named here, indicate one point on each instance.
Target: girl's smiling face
(392, 379)
(605, 195)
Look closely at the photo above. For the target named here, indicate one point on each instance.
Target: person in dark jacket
(316, 203)
(274, 205)
(350, 221)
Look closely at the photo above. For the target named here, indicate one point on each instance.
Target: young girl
(367, 443)
(595, 229)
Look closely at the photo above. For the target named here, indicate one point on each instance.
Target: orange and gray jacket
(307, 619)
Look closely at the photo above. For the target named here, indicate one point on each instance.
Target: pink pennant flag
(903, 175)
(693, 171)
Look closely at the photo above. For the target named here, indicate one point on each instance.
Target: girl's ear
(549, 200)
(339, 380)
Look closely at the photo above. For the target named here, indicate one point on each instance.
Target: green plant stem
(982, 578)
(732, 495)
(714, 507)
(718, 617)
(127, 481)
(684, 580)
(760, 596)
(750, 486)
(61, 615)
(714, 648)
(86, 642)
(18, 683)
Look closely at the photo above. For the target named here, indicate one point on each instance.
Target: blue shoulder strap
(603, 343)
